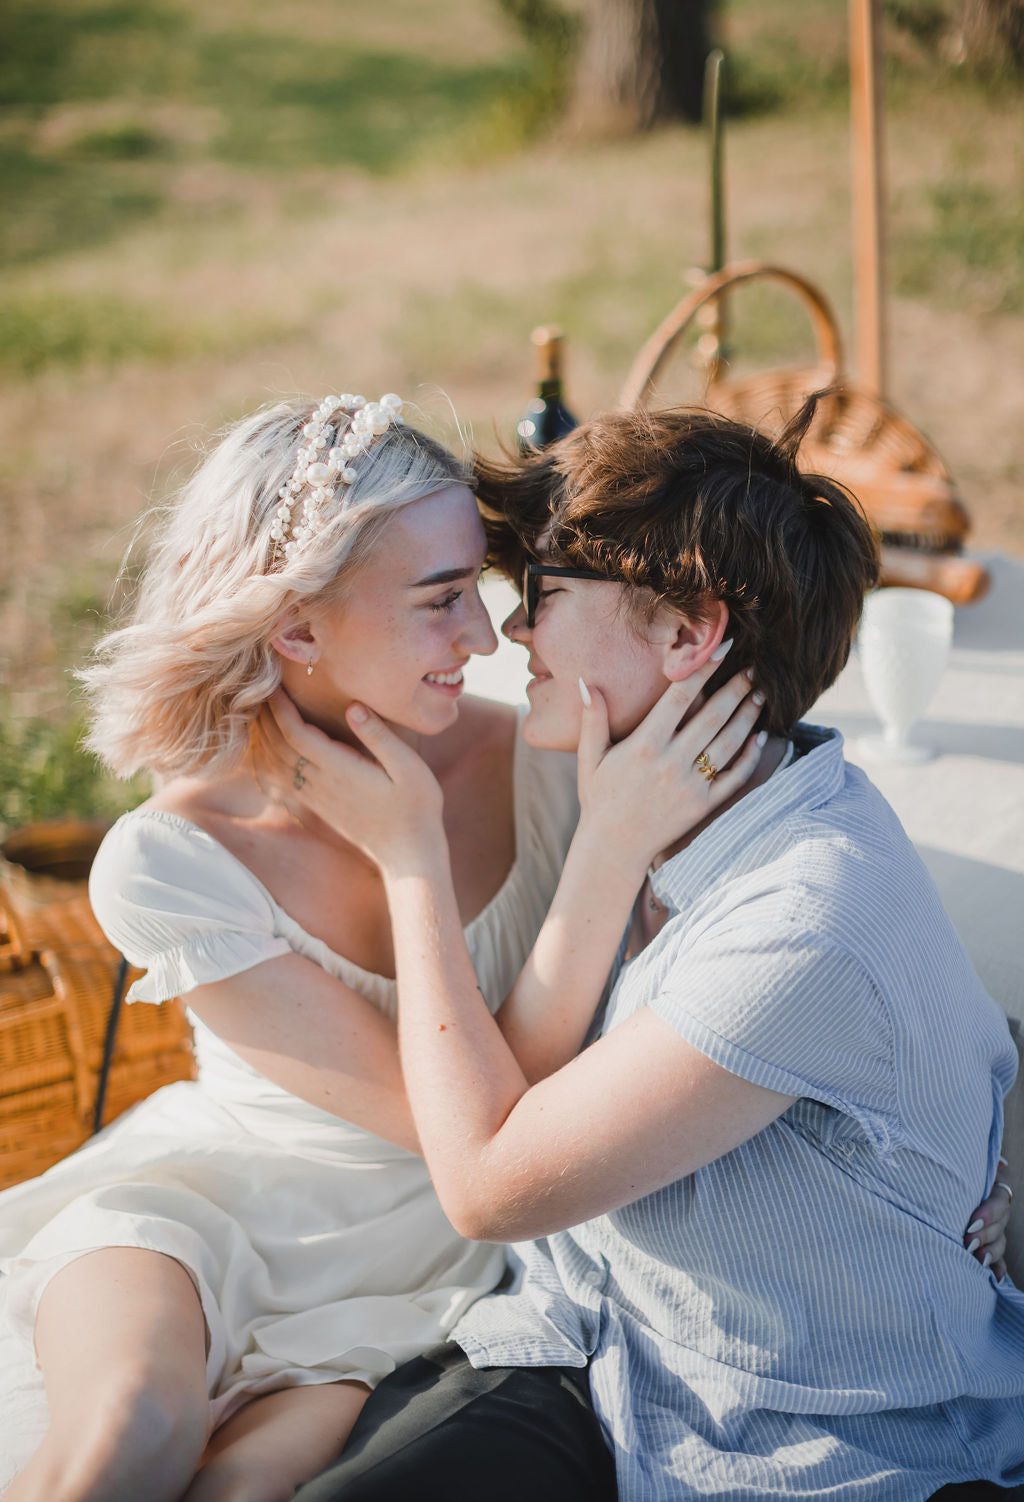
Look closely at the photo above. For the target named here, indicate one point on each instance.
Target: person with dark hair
(740, 1267)
(696, 513)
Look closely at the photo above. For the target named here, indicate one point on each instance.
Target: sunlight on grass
(51, 328)
(53, 206)
(55, 328)
(270, 97)
(970, 249)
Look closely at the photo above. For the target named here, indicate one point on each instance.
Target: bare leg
(120, 1338)
(277, 1442)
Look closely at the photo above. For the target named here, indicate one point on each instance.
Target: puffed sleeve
(178, 905)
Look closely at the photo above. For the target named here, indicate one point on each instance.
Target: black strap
(109, 1040)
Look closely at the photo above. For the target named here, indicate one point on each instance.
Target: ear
(690, 643)
(294, 639)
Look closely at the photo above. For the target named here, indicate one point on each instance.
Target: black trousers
(439, 1431)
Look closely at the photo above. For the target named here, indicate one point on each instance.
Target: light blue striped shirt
(800, 1318)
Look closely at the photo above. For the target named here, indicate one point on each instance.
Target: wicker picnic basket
(857, 438)
(57, 986)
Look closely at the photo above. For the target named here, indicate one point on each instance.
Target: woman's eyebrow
(445, 576)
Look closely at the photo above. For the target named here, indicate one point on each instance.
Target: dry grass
(250, 283)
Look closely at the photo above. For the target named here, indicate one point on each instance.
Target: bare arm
(316, 1037)
(636, 1111)
(509, 1158)
(488, 1142)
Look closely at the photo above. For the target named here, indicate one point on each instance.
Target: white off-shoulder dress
(319, 1250)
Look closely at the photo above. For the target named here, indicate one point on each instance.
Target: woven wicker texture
(856, 438)
(57, 976)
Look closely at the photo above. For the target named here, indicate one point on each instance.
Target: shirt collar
(815, 776)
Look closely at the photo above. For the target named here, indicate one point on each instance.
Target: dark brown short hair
(691, 508)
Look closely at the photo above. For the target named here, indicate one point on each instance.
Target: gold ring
(298, 780)
(705, 768)
(1001, 1184)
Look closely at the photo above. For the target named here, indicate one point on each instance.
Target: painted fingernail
(757, 696)
(973, 1247)
(722, 650)
(585, 694)
(986, 1261)
(761, 738)
(977, 1225)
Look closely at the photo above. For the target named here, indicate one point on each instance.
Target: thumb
(378, 738)
(594, 740)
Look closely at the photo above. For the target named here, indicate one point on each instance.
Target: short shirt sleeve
(790, 1010)
(178, 905)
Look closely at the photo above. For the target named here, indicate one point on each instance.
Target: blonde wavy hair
(176, 689)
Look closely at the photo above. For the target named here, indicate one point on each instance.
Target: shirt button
(593, 1279)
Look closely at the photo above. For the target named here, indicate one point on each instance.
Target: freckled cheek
(560, 641)
(394, 653)
(597, 659)
(624, 678)
(631, 701)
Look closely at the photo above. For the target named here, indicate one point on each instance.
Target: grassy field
(209, 206)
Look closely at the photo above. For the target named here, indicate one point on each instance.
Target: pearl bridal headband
(341, 429)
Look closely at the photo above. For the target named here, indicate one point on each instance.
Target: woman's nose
(480, 633)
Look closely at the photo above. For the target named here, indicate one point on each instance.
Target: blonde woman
(221, 1277)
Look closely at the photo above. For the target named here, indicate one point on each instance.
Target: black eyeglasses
(537, 571)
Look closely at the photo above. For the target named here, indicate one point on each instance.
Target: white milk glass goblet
(903, 645)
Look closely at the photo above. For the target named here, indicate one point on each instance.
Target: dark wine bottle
(546, 418)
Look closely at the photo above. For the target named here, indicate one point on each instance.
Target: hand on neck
(772, 753)
(322, 703)
(317, 699)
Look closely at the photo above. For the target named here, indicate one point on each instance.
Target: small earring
(309, 668)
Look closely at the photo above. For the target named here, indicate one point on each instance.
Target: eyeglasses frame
(535, 571)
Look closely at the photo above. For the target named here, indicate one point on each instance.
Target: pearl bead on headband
(355, 424)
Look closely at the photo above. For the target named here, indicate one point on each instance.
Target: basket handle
(654, 354)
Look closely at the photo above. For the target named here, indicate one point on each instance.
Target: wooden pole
(712, 116)
(867, 118)
(712, 319)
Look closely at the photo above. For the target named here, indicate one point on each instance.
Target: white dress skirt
(319, 1250)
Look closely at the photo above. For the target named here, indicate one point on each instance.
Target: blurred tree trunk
(642, 62)
(989, 34)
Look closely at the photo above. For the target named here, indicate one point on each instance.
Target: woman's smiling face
(410, 620)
